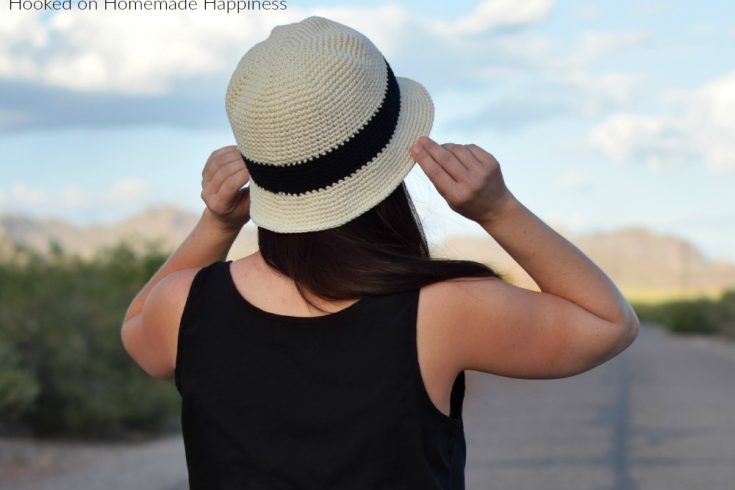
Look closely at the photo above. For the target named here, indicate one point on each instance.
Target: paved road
(659, 416)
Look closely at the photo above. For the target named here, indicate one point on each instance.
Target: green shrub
(651, 313)
(65, 370)
(695, 316)
(698, 316)
(725, 314)
(18, 386)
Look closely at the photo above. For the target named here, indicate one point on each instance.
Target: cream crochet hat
(323, 125)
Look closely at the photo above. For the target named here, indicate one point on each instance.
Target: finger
(223, 173)
(230, 194)
(234, 182)
(466, 158)
(228, 154)
(224, 151)
(212, 161)
(436, 173)
(482, 156)
(233, 157)
(217, 158)
(446, 159)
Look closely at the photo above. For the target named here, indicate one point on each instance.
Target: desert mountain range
(636, 258)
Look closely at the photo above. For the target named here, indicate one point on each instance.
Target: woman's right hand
(468, 177)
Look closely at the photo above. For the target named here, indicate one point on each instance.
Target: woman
(334, 357)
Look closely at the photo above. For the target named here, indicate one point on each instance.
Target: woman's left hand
(222, 178)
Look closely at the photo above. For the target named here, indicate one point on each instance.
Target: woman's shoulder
(459, 289)
(446, 303)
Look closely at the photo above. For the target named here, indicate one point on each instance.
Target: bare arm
(578, 320)
(555, 264)
(150, 325)
(206, 243)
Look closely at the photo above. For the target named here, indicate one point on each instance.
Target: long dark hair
(382, 251)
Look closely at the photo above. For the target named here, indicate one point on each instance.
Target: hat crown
(305, 90)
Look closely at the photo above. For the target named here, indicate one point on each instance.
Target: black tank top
(276, 402)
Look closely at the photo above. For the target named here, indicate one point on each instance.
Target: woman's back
(370, 395)
(275, 398)
(269, 291)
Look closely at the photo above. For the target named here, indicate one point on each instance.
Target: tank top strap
(203, 285)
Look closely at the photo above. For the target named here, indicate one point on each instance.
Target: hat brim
(351, 196)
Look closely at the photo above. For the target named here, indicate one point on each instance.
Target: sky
(601, 114)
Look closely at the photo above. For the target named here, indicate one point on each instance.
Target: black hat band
(342, 161)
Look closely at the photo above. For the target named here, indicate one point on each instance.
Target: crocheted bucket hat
(323, 124)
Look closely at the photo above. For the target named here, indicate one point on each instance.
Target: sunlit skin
(578, 320)
(151, 321)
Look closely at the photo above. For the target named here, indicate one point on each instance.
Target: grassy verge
(688, 312)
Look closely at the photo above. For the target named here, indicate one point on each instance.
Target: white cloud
(587, 11)
(523, 100)
(654, 139)
(20, 33)
(146, 52)
(27, 196)
(674, 96)
(73, 197)
(530, 78)
(129, 189)
(700, 128)
(712, 121)
(141, 52)
(595, 94)
(473, 53)
(69, 197)
(574, 181)
(595, 45)
(384, 25)
(574, 221)
(492, 14)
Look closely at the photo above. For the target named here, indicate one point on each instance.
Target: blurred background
(612, 121)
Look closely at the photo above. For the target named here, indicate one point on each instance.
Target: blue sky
(601, 114)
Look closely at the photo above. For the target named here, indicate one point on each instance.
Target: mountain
(162, 226)
(636, 258)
